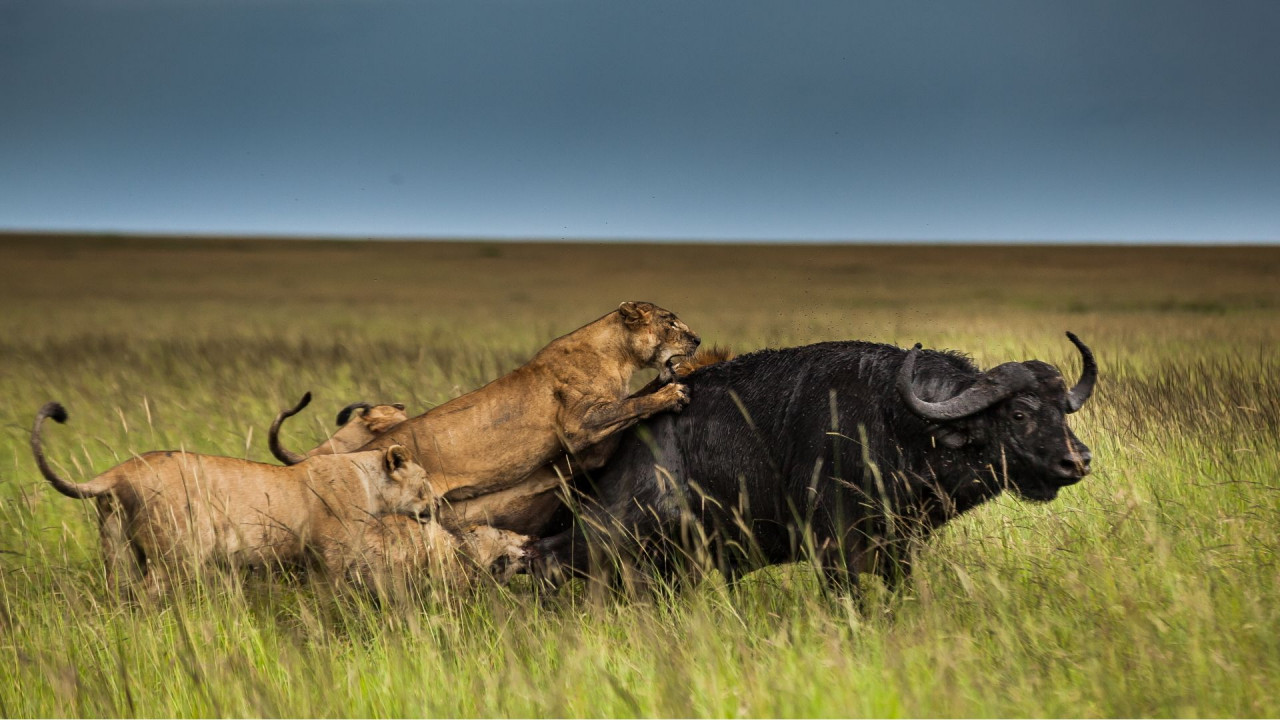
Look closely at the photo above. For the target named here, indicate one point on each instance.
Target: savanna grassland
(1150, 589)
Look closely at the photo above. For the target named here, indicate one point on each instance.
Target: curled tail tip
(54, 410)
(290, 412)
(58, 413)
(345, 413)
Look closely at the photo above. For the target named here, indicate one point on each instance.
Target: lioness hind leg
(122, 560)
(157, 582)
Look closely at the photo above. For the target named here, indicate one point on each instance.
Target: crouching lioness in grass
(569, 397)
(396, 554)
(358, 423)
(167, 510)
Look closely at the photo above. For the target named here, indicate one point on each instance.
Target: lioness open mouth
(668, 371)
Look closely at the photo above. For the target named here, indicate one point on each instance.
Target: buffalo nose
(1076, 463)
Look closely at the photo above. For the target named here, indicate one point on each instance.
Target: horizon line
(15, 233)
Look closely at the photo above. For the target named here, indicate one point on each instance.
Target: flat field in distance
(1150, 589)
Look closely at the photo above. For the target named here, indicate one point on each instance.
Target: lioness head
(657, 336)
(404, 489)
(501, 552)
(375, 418)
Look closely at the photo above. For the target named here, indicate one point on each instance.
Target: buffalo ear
(397, 458)
(955, 435)
(635, 313)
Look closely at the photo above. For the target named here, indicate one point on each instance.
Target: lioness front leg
(523, 508)
(602, 420)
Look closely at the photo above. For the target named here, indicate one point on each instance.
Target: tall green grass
(1150, 589)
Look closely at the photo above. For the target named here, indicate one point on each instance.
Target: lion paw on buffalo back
(674, 396)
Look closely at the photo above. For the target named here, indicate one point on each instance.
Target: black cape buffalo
(843, 453)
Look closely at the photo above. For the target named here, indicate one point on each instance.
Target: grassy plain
(1150, 589)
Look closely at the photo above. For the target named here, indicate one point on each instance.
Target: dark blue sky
(981, 120)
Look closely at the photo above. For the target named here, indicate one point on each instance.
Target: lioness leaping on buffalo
(571, 395)
(529, 507)
(358, 423)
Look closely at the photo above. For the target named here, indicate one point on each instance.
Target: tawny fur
(525, 508)
(571, 395)
(167, 510)
(358, 424)
(397, 553)
(702, 358)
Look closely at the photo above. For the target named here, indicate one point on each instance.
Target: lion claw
(680, 395)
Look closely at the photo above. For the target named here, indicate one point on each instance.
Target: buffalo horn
(990, 388)
(1088, 376)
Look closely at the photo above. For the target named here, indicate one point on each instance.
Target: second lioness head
(404, 488)
(656, 336)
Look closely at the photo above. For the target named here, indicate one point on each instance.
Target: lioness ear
(635, 313)
(397, 458)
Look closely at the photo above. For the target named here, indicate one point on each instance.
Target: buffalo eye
(1019, 416)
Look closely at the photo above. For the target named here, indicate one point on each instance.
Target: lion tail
(287, 457)
(79, 491)
(345, 413)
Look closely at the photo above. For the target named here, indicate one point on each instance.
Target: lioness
(166, 508)
(396, 552)
(571, 395)
(358, 423)
(529, 506)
